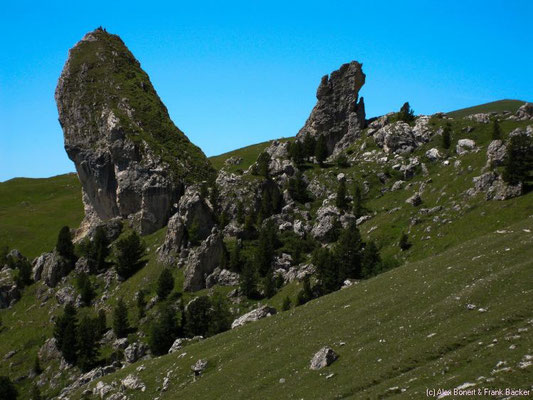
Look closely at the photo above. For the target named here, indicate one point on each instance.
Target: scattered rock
(222, 277)
(133, 382)
(254, 315)
(135, 351)
(323, 358)
(233, 161)
(414, 200)
(464, 146)
(433, 154)
(202, 262)
(199, 367)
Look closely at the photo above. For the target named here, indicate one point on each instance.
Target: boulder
(135, 351)
(133, 382)
(49, 351)
(327, 224)
(199, 367)
(397, 185)
(132, 161)
(323, 358)
(480, 117)
(338, 111)
(464, 146)
(254, 315)
(525, 112)
(414, 200)
(50, 267)
(202, 261)
(9, 292)
(496, 153)
(233, 161)
(433, 154)
(222, 277)
(397, 137)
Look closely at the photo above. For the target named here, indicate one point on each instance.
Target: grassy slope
(409, 327)
(494, 106)
(33, 210)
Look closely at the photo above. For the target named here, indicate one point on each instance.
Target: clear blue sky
(237, 73)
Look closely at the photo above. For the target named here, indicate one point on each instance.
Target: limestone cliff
(338, 112)
(131, 159)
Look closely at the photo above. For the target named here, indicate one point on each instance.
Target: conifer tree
(309, 145)
(85, 288)
(262, 164)
(165, 284)
(518, 165)
(348, 253)
(371, 260)
(129, 252)
(248, 280)
(296, 152)
(268, 241)
(214, 199)
(163, 331)
(287, 303)
(87, 344)
(297, 188)
(406, 113)
(404, 242)
(198, 316)
(8, 391)
(221, 318)
(327, 270)
(321, 150)
(341, 201)
(37, 369)
(100, 250)
(357, 206)
(306, 294)
(240, 212)
(64, 245)
(101, 323)
(496, 130)
(269, 284)
(235, 260)
(120, 319)
(141, 304)
(65, 332)
(447, 137)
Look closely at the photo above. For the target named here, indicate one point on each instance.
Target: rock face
(202, 262)
(254, 315)
(337, 112)
(131, 159)
(324, 357)
(50, 267)
(9, 292)
(525, 112)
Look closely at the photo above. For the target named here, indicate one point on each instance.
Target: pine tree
(120, 319)
(371, 260)
(235, 260)
(496, 130)
(269, 285)
(83, 283)
(296, 152)
(306, 294)
(204, 192)
(37, 369)
(221, 318)
(518, 165)
(214, 199)
(23, 275)
(262, 163)
(198, 316)
(327, 270)
(7, 389)
(141, 304)
(447, 137)
(268, 241)
(287, 303)
(101, 323)
(309, 145)
(321, 150)
(65, 331)
(348, 253)
(240, 212)
(64, 245)
(165, 284)
(341, 201)
(248, 281)
(100, 250)
(87, 344)
(129, 252)
(357, 206)
(298, 189)
(406, 114)
(163, 331)
(404, 242)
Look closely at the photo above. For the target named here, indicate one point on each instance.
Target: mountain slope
(409, 328)
(494, 106)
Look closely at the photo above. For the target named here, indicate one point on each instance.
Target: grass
(32, 211)
(409, 328)
(494, 106)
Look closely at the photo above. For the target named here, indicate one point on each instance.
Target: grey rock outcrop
(9, 292)
(199, 366)
(222, 277)
(415, 200)
(323, 358)
(50, 267)
(525, 112)
(464, 146)
(192, 210)
(327, 224)
(202, 261)
(135, 351)
(397, 137)
(131, 159)
(480, 117)
(494, 187)
(254, 315)
(496, 153)
(338, 111)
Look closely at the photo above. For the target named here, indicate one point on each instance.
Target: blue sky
(237, 73)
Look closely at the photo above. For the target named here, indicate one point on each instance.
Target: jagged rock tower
(338, 114)
(132, 161)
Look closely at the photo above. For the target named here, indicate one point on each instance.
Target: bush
(341, 201)
(447, 137)
(406, 113)
(496, 130)
(287, 303)
(129, 252)
(306, 294)
(165, 284)
(342, 161)
(404, 242)
(248, 281)
(221, 317)
(163, 331)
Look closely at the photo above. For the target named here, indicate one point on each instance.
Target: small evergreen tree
(141, 304)
(120, 319)
(264, 255)
(496, 130)
(406, 113)
(221, 317)
(286, 303)
(204, 191)
(23, 275)
(306, 294)
(165, 284)
(7, 389)
(371, 260)
(240, 212)
(298, 188)
(262, 163)
(446, 137)
(214, 199)
(99, 250)
(37, 369)
(235, 259)
(518, 165)
(198, 316)
(101, 323)
(163, 331)
(341, 201)
(129, 252)
(348, 254)
(87, 344)
(248, 281)
(64, 245)
(342, 161)
(357, 205)
(321, 150)
(85, 288)
(296, 152)
(404, 242)
(268, 284)
(65, 332)
(327, 270)
(309, 145)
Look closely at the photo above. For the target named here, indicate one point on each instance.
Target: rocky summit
(132, 161)
(338, 113)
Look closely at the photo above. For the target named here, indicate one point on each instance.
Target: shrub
(406, 113)
(496, 130)
(404, 242)
(447, 136)
(7, 389)
(129, 252)
(165, 284)
(287, 303)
